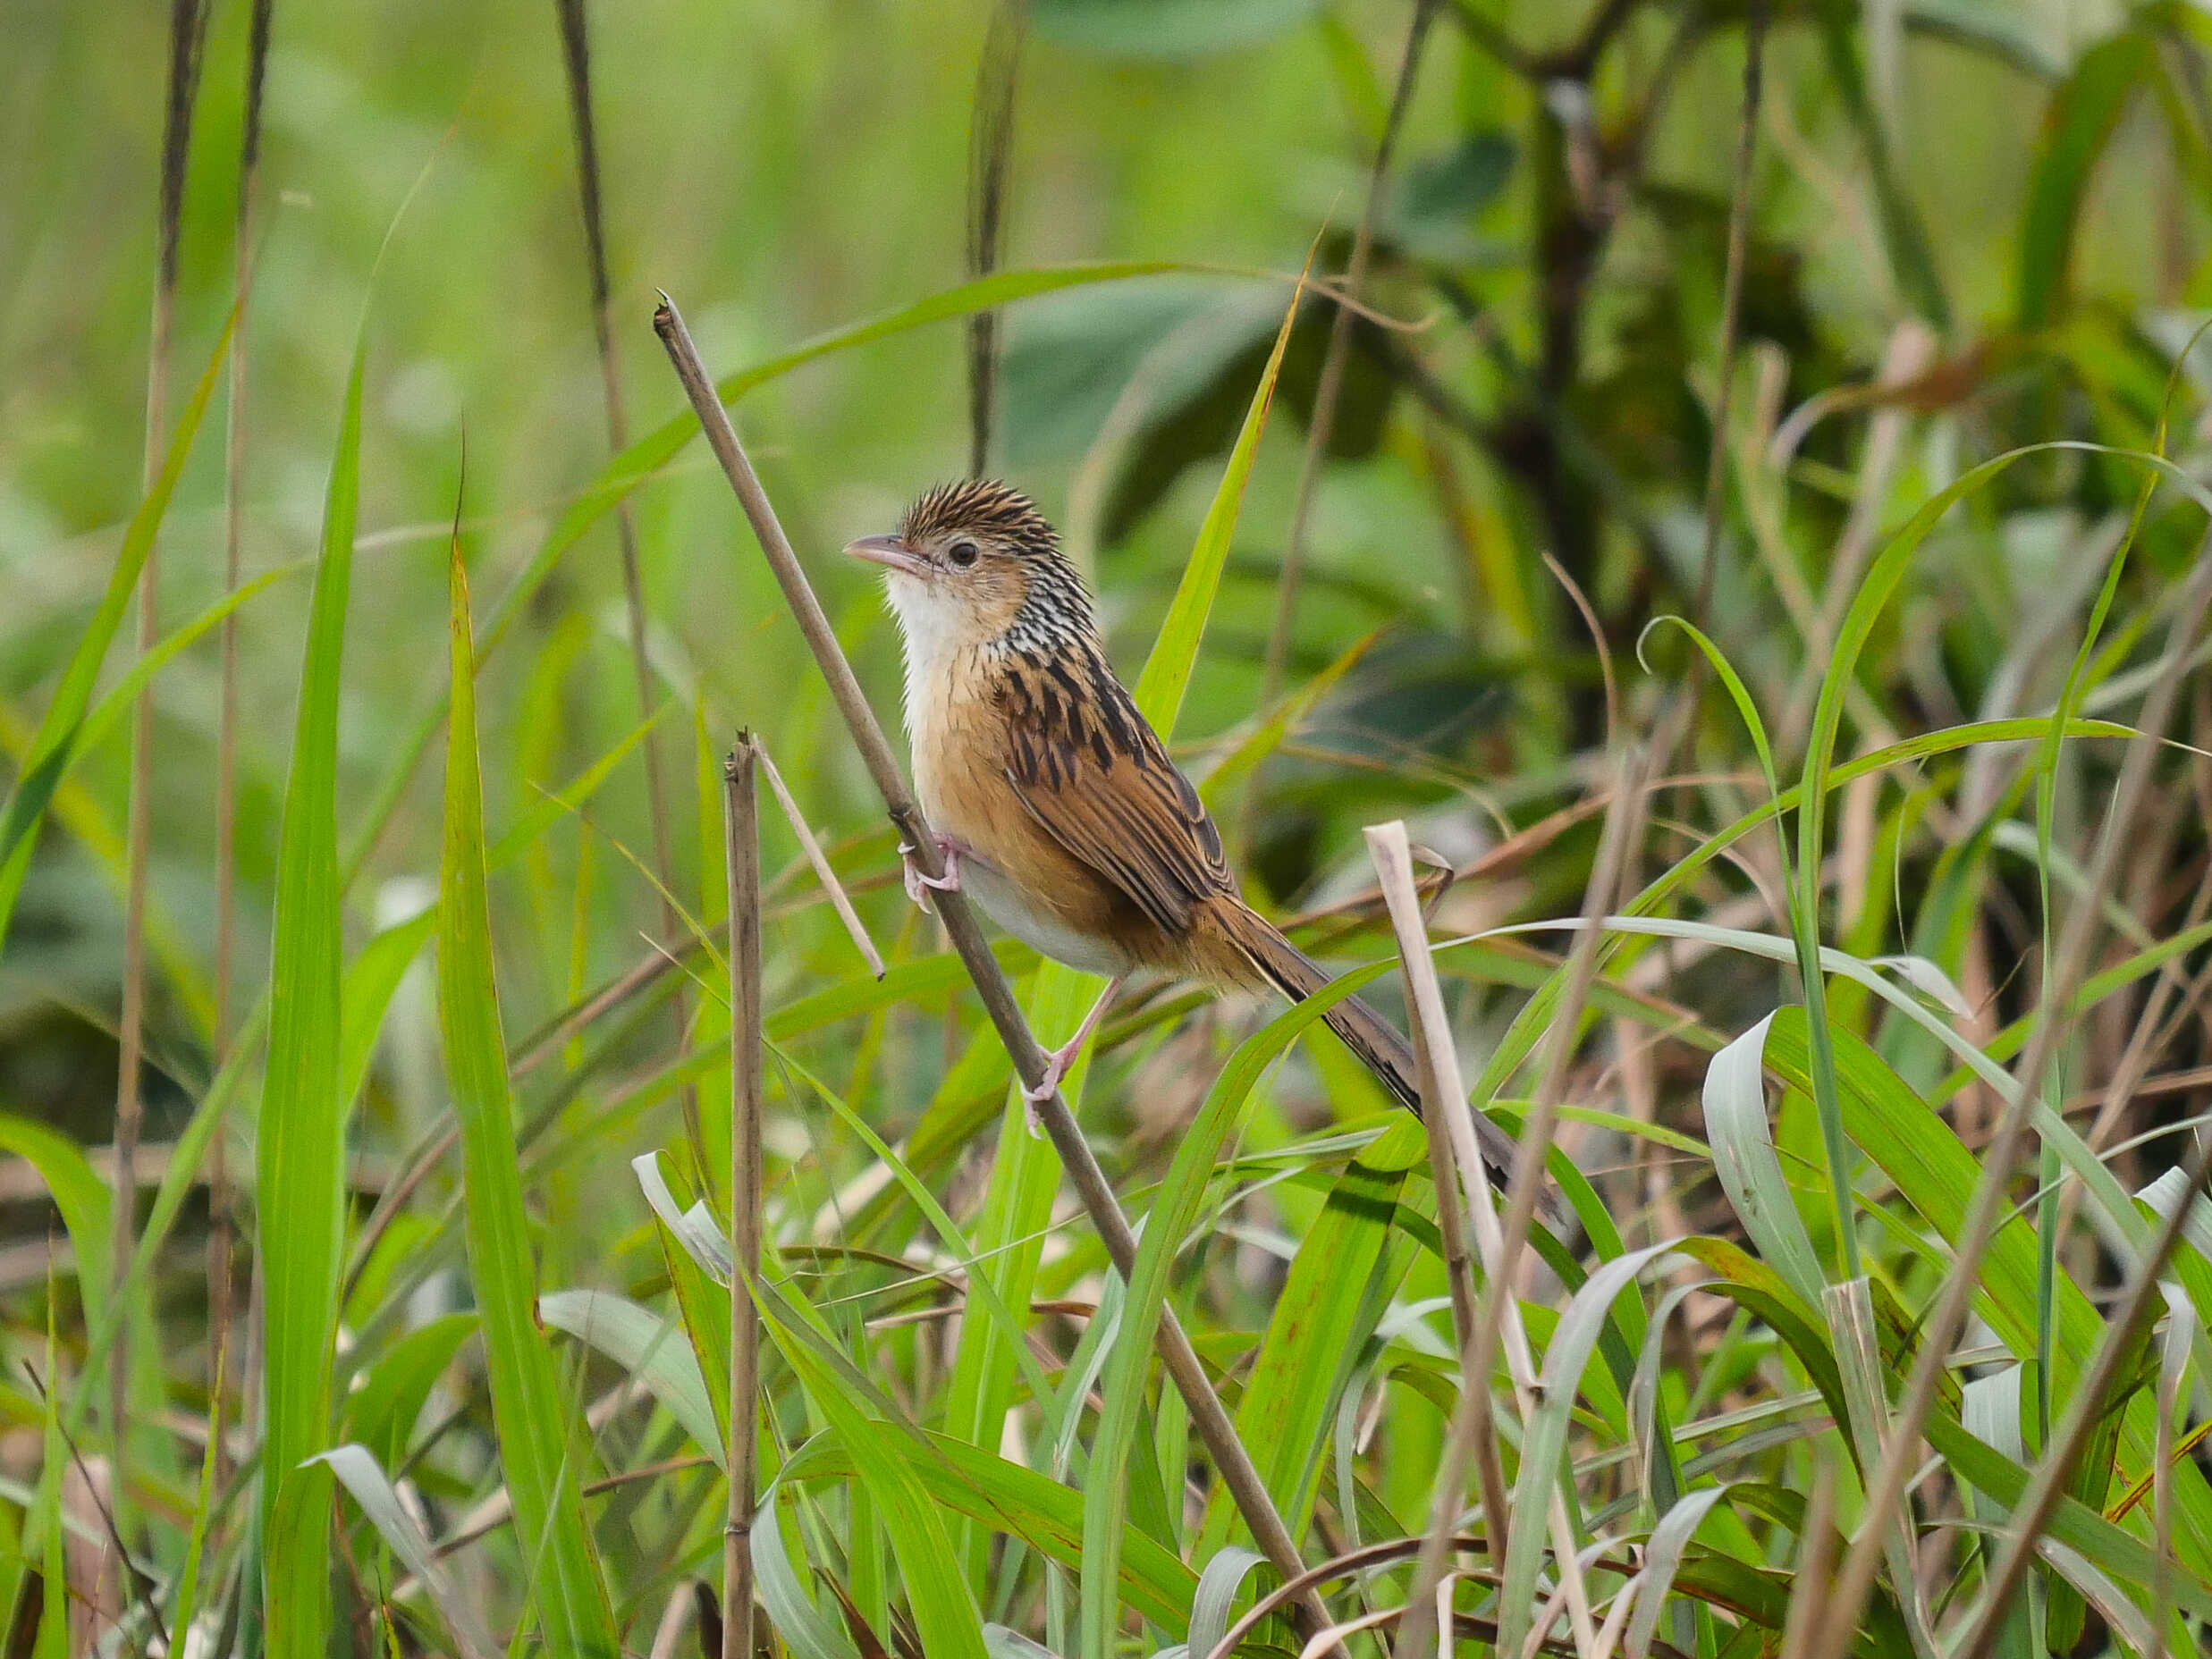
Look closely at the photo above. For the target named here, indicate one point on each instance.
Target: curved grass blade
(645, 1345)
(1744, 1158)
(371, 1489)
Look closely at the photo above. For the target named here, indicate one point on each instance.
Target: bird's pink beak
(890, 552)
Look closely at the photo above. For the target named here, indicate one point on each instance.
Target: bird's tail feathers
(1378, 1043)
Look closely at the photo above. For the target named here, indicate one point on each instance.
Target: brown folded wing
(1084, 763)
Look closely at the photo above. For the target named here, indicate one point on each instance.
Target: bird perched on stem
(1054, 803)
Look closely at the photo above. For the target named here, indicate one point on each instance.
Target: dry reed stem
(1181, 1360)
(1624, 824)
(1499, 1315)
(989, 163)
(188, 26)
(1940, 1328)
(221, 1241)
(576, 55)
(741, 814)
(1731, 316)
(1321, 427)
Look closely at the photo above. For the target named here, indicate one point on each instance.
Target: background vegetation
(402, 920)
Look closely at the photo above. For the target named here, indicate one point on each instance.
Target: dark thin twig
(220, 1240)
(989, 164)
(741, 815)
(188, 29)
(575, 54)
(1181, 1360)
(1322, 424)
(1731, 306)
(140, 1582)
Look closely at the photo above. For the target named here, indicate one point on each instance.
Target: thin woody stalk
(576, 54)
(741, 815)
(1181, 1360)
(188, 24)
(220, 1244)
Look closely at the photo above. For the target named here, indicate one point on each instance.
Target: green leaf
(381, 1412)
(299, 1195)
(537, 1447)
(1328, 1308)
(945, 1614)
(1744, 1158)
(2078, 125)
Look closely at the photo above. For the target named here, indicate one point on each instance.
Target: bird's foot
(1057, 1062)
(919, 882)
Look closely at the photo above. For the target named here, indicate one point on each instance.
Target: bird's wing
(1086, 766)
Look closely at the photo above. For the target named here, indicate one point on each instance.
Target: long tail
(1377, 1042)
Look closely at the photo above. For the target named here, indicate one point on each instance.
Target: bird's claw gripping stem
(919, 882)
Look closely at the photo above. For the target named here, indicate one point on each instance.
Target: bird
(1053, 801)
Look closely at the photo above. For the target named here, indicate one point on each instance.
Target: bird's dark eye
(962, 553)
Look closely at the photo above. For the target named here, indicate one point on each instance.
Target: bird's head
(975, 564)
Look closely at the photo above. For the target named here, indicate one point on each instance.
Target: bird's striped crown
(983, 505)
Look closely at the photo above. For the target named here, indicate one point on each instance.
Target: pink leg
(917, 882)
(1057, 1061)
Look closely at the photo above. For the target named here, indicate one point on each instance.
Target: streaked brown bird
(1054, 803)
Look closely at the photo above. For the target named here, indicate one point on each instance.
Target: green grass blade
(300, 1193)
(1744, 1158)
(534, 1438)
(2084, 113)
(1106, 1490)
(1161, 687)
(945, 1613)
(1321, 1323)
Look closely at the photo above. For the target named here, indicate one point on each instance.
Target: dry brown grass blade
(1322, 424)
(188, 29)
(741, 815)
(820, 861)
(1238, 1474)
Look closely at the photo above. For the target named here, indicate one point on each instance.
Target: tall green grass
(484, 1406)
